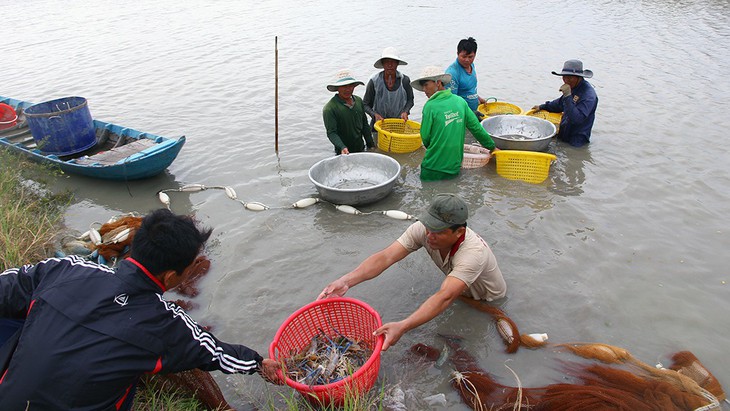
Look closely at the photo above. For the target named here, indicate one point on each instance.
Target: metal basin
(353, 179)
(525, 133)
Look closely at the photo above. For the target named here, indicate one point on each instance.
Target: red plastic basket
(335, 316)
(8, 116)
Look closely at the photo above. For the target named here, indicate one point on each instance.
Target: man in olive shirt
(461, 254)
(344, 116)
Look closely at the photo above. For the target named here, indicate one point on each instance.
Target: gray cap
(446, 210)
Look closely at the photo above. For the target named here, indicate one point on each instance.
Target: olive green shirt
(347, 126)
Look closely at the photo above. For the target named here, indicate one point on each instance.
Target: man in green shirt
(344, 116)
(445, 119)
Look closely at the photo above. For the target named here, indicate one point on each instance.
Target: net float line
(164, 198)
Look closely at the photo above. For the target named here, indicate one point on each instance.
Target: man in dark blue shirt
(578, 104)
(90, 332)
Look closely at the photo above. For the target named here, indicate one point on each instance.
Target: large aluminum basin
(353, 179)
(525, 133)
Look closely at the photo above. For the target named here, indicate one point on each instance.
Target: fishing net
(685, 363)
(506, 327)
(619, 381)
(624, 384)
(116, 237)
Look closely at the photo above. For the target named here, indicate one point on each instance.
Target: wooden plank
(120, 153)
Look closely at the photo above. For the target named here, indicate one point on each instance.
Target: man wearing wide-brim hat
(470, 268)
(389, 93)
(445, 119)
(578, 104)
(344, 116)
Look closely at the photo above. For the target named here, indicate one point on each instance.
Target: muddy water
(625, 243)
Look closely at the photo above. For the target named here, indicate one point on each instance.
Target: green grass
(153, 395)
(289, 400)
(29, 215)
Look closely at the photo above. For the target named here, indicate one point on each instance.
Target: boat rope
(257, 206)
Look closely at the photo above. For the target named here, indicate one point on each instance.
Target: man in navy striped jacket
(90, 332)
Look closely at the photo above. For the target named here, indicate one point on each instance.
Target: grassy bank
(29, 215)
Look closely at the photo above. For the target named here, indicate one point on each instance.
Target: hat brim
(379, 63)
(432, 223)
(335, 86)
(445, 78)
(585, 74)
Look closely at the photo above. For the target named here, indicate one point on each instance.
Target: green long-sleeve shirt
(446, 117)
(347, 126)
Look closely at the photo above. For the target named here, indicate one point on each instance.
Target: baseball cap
(445, 211)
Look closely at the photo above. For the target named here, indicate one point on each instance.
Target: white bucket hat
(389, 53)
(431, 73)
(574, 68)
(342, 78)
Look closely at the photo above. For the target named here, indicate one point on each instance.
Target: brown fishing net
(195, 272)
(114, 242)
(685, 363)
(623, 383)
(505, 326)
(620, 382)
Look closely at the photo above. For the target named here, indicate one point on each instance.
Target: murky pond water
(624, 243)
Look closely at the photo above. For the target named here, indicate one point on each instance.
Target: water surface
(623, 244)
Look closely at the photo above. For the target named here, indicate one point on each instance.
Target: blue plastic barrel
(63, 126)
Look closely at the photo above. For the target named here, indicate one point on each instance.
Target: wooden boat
(120, 153)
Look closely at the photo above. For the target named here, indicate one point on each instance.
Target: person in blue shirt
(464, 75)
(578, 104)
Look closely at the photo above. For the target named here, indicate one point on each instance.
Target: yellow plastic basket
(498, 107)
(530, 166)
(546, 115)
(398, 136)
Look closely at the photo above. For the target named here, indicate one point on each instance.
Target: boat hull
(121, 153)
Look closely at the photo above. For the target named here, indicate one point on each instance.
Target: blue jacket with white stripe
(90, 332)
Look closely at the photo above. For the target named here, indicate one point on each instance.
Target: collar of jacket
(441, 94)
(146, 273)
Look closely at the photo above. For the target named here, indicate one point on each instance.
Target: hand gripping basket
(496, 108)
(398, 136)
(530, 166)
(334, 316)
(475, 156)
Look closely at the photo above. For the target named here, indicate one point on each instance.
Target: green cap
(445, 211)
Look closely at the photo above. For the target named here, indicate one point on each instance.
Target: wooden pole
(276, 93)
